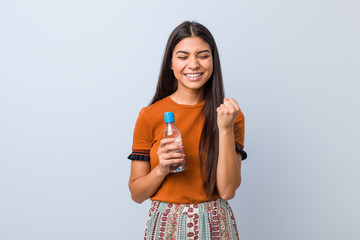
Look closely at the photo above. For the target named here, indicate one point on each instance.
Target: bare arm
(143, 182)
(229, 162)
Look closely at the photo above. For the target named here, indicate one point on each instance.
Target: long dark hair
(213, 93)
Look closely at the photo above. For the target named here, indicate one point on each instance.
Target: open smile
(193, 76)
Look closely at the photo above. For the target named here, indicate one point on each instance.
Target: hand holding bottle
(170, 148)
(169, 154)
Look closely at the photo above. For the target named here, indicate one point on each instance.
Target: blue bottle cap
(169, 117)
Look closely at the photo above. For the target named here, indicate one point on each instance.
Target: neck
(188, 97)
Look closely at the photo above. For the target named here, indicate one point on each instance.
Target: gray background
(74, 75)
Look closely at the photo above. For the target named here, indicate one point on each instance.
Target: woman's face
(192, 63)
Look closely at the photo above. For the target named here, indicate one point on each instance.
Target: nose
(193, 63)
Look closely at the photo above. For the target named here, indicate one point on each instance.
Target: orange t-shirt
(186, 186)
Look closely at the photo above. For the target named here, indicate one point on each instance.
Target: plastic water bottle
(171, 131)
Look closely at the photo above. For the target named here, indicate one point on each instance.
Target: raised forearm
(228, 168)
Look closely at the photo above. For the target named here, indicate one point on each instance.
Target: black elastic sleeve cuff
(143, 155)
(239, 149)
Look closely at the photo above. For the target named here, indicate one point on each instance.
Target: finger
(172, 155)
(229, 105)
(173, 161)
(235, 104)
(172, 147)
(221, 109)
(165, 141)
(169, 147)
(223, 106)
(226, 108)
(232, 102)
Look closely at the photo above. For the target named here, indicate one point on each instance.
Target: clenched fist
(227, 113)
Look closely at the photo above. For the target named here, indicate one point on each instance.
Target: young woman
(191, 204)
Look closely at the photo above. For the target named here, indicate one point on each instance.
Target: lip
(194, 73)
(194, 78)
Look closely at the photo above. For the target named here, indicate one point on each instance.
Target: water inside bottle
(179, 167)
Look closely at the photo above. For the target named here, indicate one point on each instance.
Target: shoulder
(154, 112)
(155, 107)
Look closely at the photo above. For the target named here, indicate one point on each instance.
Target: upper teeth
(193, 75)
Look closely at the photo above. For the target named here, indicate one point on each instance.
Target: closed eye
(204, 56)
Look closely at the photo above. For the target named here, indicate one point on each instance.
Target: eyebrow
(199, 52)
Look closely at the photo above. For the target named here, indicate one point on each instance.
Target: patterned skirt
(204, 221)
